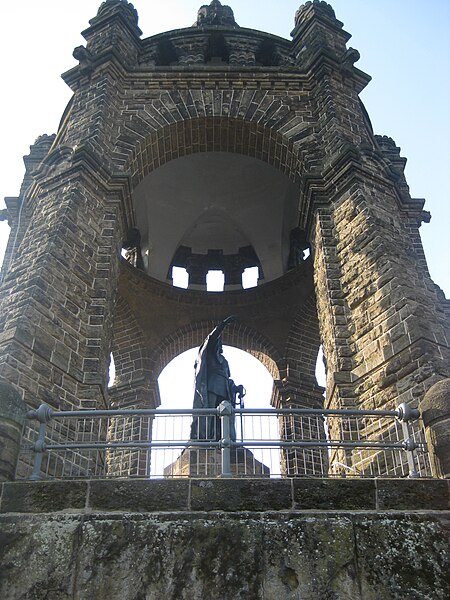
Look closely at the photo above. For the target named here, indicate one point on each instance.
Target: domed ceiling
(216, 201)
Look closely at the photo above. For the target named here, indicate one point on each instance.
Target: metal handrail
(404, 413)
(49, 413)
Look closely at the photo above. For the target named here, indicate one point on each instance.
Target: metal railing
(246, 442)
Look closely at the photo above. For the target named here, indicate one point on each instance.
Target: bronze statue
(213, 385)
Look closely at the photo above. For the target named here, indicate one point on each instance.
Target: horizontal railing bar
(317, 411)
(212, 412)
(211, 445)
(313, 444)
(127, 413)
(147, 445)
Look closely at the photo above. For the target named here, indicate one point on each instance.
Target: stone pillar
(385, 333)
(114, 28)
(58, 296)
(16, 207)
(435, 411)
(12, 417)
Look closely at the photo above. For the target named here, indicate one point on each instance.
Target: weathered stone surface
(391, 556)
(43, 496)
(35, 555)
(245, 494)
(223, 540)
(230, 495)
(12, 418)
(411, 494)
(139, 495)
(257, 557)
(334, 494)
(435, 409)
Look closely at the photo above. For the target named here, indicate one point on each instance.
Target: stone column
(58, 296)
(435, 411)
(384, 331)
(12, 417)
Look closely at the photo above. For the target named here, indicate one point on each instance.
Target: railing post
(225, 411)
(43, 414)
(406, 414)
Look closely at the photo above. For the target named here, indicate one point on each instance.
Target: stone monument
(215, 142)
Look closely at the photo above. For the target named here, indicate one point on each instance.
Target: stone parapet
(229, 495)
(223, 540)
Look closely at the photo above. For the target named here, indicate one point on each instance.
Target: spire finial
(215, 14)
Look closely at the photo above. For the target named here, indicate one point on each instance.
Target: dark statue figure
(213, 385)
(298, 243)
(132, 247)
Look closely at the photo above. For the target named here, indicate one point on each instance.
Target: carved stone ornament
(215, 14)
(320, 4)
(350, 57)
(44, 140)
(128, 9)
(242, 53)
(191, 53)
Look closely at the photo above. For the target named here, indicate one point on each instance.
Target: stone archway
(180, 319)
(276, 140)
(267, 132)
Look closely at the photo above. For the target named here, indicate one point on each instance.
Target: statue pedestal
(202, 462)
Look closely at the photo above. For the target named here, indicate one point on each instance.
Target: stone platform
(225, 539)
(195, 462)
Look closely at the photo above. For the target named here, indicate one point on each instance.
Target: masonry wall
(223, 540)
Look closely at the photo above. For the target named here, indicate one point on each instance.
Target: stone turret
(119, 6)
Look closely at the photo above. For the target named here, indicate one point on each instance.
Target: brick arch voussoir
(157, 146)
(237, 335)
(304, 341)
(128, 346)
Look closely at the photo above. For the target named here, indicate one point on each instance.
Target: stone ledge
(334, 494)
(228, 495)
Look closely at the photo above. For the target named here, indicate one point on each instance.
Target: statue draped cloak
(212, 385)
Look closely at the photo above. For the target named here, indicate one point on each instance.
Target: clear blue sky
(404, 46)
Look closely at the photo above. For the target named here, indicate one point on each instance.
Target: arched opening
(215, 281)
(250, 277)
(321, 372)
(266, 54)
(111, 370)
(166, 54)
(217, 51)
(176, 385)
(4, 235)
(216, 211)
(180, 277)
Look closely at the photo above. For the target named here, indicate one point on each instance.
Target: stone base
(224, 539)
(199, 462)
